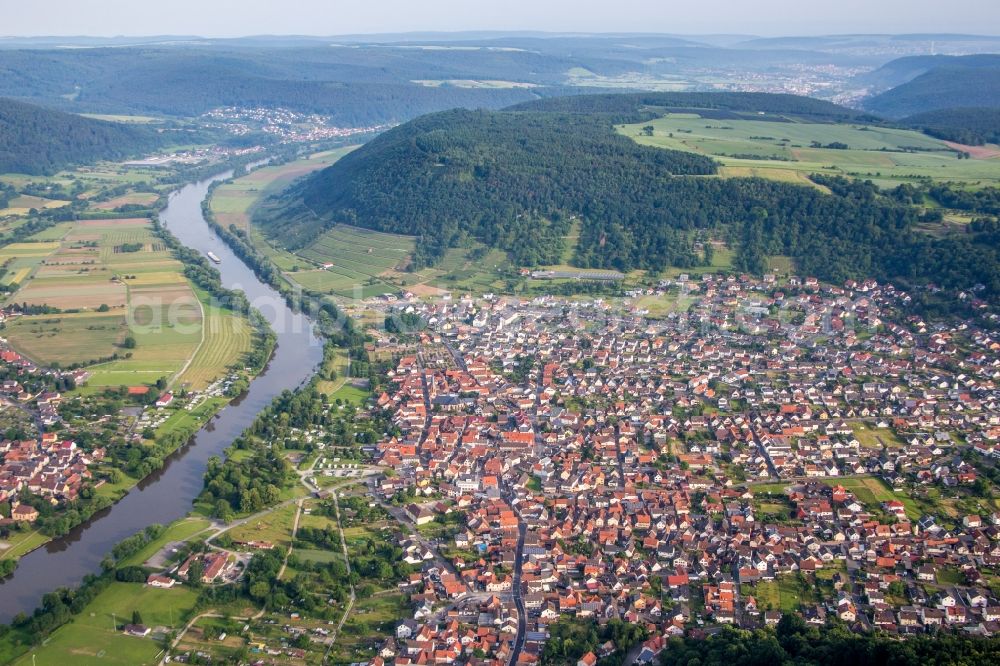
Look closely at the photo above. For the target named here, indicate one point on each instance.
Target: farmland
(114, 280)
(353, 262)
(226, 338)
(232, 202)
(102, 184)
(787, 149)
(68, 338)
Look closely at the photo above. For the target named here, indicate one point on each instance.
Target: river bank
(167, 494)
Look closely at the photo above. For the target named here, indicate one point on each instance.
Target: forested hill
(972, 127)
(511, 179)
(35, 140)
(518, 179)
(639, 103)
(973, 81)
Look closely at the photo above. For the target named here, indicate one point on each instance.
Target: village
(284, 125)
(763, 448)
(772, 449)
(48, 464)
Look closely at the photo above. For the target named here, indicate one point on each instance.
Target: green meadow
(788, 149)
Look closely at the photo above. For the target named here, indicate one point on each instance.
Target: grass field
(20, 543)
(180, 530)
(874, 438)
(91, 639)
(339, 364)
(275, 527)
(782, 148)
(352, 394)
(871, 492)
(660, 306)
(68, 338)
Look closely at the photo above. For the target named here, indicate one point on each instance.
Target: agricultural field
(354, 263)
(462, 270)
(116, 281)
(227, 338)
(21, 205)
(350, 262)
(788, 149)
(68, 338)
(130, 199)
(94, 181)
(232, 202)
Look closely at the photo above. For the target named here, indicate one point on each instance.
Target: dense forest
(35, 140)
(519, 180)
(971, 82)
(972, 126)
(794, 642)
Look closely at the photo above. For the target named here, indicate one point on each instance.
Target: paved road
(518, 591)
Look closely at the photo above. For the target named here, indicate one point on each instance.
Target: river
(168, 494)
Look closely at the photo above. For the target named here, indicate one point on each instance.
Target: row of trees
(794, 642)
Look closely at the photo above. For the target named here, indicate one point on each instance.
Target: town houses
(765, 449)
(52, 468)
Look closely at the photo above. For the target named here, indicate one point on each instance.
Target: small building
(24, 512)
(420, 515)
(163, 582)
(139, 630)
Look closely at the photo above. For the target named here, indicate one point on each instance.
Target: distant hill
(972, 127)
(966, 82)
(35, 140)
(901, 70)
(637, 103)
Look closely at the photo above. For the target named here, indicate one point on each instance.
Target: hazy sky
(228, 18)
